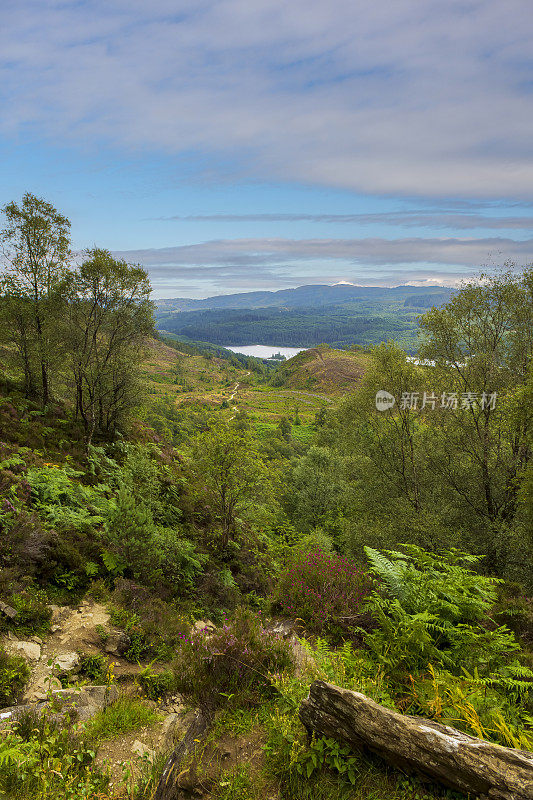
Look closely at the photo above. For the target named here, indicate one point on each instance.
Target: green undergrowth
(14, 674)
(123, 716)
(41, 759)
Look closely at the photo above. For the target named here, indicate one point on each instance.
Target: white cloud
(411, 97)
(244, 264)
(241, 253)
(406, 219)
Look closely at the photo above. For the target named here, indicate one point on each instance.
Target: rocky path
(234, 408)
(76, 632)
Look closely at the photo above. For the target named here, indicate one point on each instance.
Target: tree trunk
(456, 759)
(168, 787)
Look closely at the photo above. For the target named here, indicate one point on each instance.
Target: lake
(265, 350)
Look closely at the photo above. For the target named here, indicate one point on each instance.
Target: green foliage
(140, 645)
(430, 610)
(314, 488)
(156, 684)
(449, 474)
(14, 674)
(431, 614)
(235, 784)
(108, 316)
(123, 716)
(40, 759)
(325, 753)
(441, 583)
(33, 612)
(231, 475)
(96, 668)
(33, 288)
(155, 628)
(62, 500)
(494, 708)
(234, 662)
(335, 773)
(137, 527)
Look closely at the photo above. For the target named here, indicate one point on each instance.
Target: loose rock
(141, 750)
(117, 643)
(30, 650)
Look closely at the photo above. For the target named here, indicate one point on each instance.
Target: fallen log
(169, 787)
(445, 754)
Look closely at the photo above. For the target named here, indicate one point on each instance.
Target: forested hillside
(195, 539)
(339, 326)
(314, 296)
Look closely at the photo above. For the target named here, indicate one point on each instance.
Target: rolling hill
(312, 296)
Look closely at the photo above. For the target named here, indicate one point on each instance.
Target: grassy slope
(308, 381)
(323, 369)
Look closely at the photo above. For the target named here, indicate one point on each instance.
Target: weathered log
(445, 754)
(169, 787)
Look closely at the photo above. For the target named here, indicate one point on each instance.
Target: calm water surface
(264, 350)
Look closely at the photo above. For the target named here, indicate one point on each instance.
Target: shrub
(63, 501)
(14, 674)
(235, 660)
(443, 584)
(441, 653)
(154, 626)
(42, 758)
(34, 614)
(325, 590)
(433, 608)
(95, 667)
(153, 553)
(156, 684)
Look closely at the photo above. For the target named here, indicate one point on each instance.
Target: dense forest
(236, 563)
(339, 326)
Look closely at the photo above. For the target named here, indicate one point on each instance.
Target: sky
(234, 145)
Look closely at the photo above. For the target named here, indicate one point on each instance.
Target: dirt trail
(235, 388)
(73, 630)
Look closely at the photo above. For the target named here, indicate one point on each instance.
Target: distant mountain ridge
(314, 295)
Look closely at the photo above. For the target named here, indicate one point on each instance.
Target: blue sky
(231, 145)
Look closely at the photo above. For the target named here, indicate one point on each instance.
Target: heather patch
(325, 590)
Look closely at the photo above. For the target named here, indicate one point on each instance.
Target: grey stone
(142, 750)
(117, 643)
(39, 690)
(30, 650)
(67, 662)
(203, 625)
(283, 628)
(169, 723)
(8, 611)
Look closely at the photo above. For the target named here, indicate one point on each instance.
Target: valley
(205, 555)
